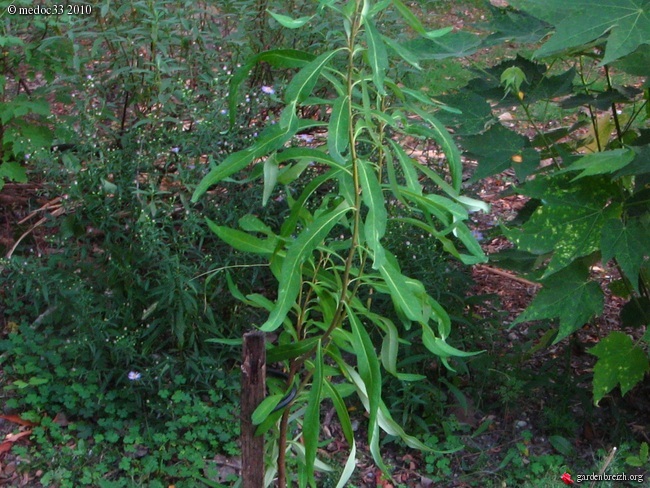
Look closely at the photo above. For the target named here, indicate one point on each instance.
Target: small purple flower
(134, 375)
(175, 150)
(268, 90)
(478, 235)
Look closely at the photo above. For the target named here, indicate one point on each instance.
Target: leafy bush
(329, 255)
(587, 179)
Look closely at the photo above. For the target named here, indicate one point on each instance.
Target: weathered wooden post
(253, 390)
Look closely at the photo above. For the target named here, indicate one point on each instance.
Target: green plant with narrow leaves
(591, 202)
(329, 256)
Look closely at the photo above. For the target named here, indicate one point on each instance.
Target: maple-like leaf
(569, 223)
(628, 244)
(578, 22)
(619, 362)
(569, 296)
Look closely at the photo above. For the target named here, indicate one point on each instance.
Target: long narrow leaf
(303, 83)
(298, 252)
(407, 165)
(400, 292)
(339, 125)
(311, 425)
(289, 22)
(289, 225)
(311, 154)
(377, 55)
(441, 135)
(370, 374)
(375, 224)
(241, 240)
(271, 139)
(270, 178)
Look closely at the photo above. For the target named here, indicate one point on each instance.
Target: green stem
(339, 315)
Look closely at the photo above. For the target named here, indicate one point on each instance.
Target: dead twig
(508, 275)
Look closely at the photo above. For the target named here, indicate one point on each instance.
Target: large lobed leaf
(619, 362)
(567, 296)
(628, 243)
(570, 222)
(579, 22)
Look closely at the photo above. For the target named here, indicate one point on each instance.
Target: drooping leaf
(475, 116)
(312, 155)
(301, 85)
(375, 224)
(272, 138)
(636, 63)
(402, 296)
(389, 347)
(348, 432)
(377, 56)
(402, 52)
(338, 138)
(510, 25)
(408, 169)
(289, 22)
(291, 350)
(579, 22)
(270, 178)
(440, 134)
(13, 171)
(629, 243)
(311, 425)
(569, 296)
(298, 252)
(251, 223)
(620, 362)
(370, 374)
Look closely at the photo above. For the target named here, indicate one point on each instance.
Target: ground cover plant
(174, 172)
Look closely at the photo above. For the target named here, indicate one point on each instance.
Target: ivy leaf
(569, 296)
(628, 244)
(579, 22)
(619, 362)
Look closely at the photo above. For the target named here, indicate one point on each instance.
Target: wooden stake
(253, 390)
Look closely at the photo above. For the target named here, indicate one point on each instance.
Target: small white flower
(224, 111)
(134, 375)
(175, 150)
(268, 90)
